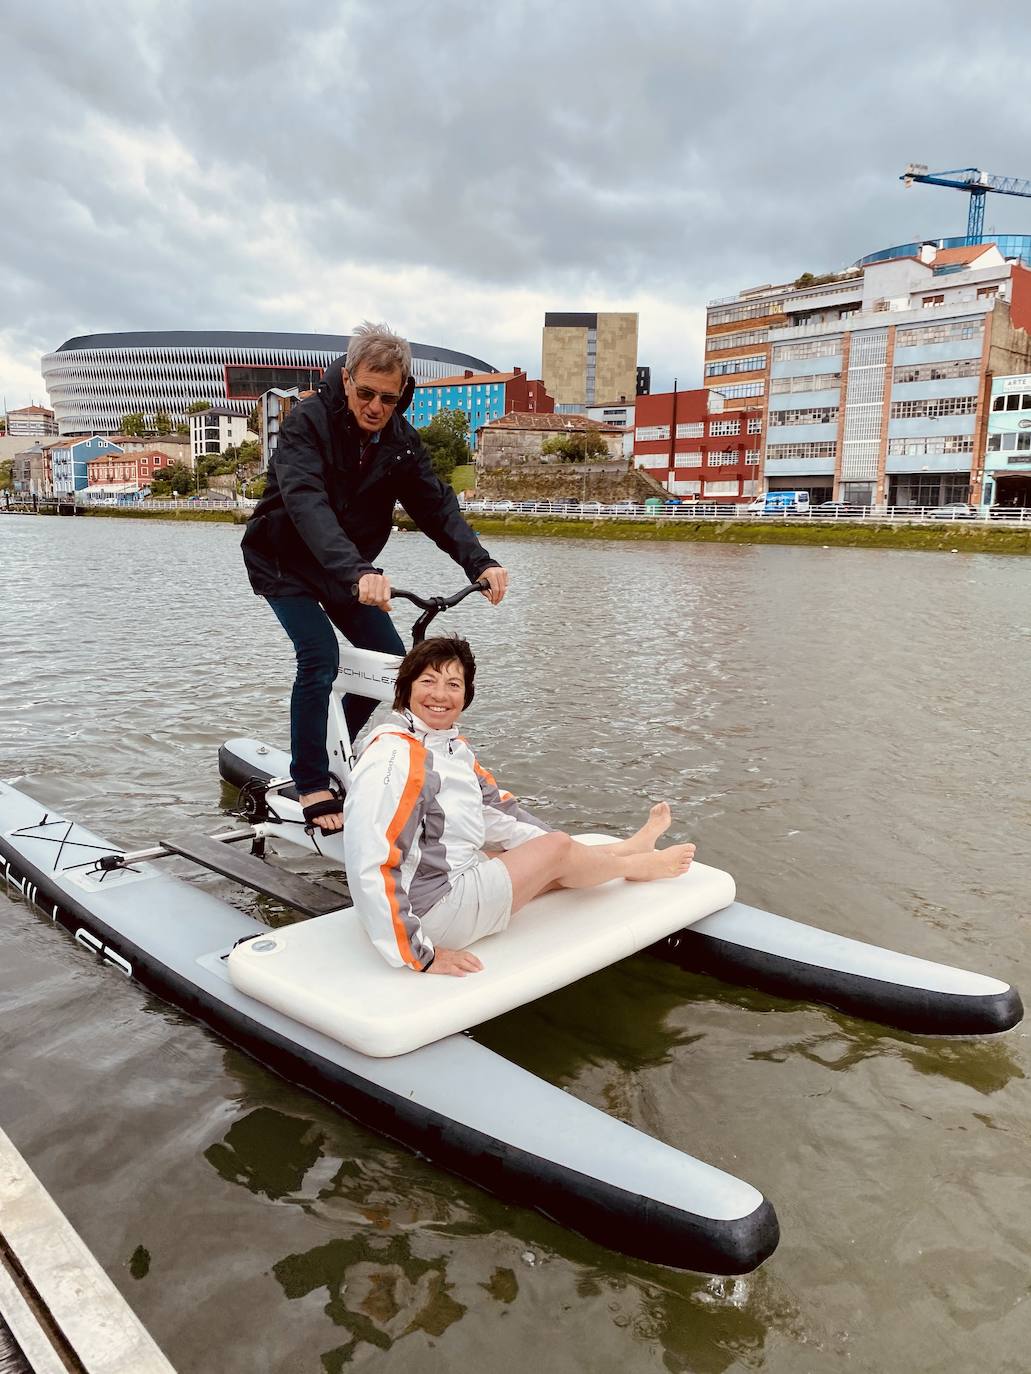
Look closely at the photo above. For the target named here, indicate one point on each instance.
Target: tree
(134, 425)
(176, 477)
(7, 474)
(162, 423)
(254, 419)
(195, 407)
(578, 446)
(182, 429)
(446, 438)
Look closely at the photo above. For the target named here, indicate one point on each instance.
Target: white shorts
(479, 904)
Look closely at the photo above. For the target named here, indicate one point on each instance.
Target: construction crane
(968, 179)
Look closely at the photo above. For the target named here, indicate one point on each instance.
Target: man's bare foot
(330, 823)
(643, 842)
(659, 863)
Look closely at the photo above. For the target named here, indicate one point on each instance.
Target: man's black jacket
(326, 514)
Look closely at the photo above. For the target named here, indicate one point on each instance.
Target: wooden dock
(58, 1309)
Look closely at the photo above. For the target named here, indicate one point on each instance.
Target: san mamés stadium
(95, 379)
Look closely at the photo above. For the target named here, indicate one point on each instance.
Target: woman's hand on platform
(456, 962)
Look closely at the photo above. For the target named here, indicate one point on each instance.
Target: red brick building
(126, 469)
(698, 450)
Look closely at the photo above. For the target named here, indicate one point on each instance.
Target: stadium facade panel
(96, 379)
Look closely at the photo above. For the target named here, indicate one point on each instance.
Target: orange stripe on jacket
(405, 807)
(482, 773)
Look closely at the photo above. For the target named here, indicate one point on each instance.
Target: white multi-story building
(874, 381)
(215, 429)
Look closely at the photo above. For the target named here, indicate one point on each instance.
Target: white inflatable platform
(325, 973)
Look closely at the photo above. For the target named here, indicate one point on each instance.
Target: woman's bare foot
(330, 823)
(659, 863)
(643, 842)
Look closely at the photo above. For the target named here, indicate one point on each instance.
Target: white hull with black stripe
(455, 1101)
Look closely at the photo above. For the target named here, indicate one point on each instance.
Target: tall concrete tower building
(589, 358)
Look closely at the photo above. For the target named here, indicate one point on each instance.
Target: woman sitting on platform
(420, 809)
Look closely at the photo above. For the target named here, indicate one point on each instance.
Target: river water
(844, 730)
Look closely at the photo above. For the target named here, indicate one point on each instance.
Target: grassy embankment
(939, 538)
(218, 517)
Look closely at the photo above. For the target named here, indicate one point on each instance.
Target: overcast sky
(457, 168)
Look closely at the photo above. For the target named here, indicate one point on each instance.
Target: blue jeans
(310, 627)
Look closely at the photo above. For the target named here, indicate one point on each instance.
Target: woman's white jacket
(418, 812)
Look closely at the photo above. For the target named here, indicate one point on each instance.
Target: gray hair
(380, 349)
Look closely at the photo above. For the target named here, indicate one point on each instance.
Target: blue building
(1007, 459)
(68, 459)
(484, 396)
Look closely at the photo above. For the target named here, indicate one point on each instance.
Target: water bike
(317, 1004)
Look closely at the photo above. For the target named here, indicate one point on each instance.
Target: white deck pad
(325, 973)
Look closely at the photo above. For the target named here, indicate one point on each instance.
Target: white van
(780, 503)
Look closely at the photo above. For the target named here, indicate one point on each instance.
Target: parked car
(838, 508)
(958, 510)
(622, 508)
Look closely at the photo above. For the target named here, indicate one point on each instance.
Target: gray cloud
(210, 165)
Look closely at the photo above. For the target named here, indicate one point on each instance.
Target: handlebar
(431, 606)
(438, 603)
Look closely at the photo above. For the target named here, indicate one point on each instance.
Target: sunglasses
(366, 394)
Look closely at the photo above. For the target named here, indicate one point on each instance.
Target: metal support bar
(158, 851)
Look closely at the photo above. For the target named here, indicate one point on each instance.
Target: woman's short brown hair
(434, 653)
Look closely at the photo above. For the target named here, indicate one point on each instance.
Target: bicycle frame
(365, 673)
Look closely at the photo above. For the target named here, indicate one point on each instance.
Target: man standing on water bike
(344, 457)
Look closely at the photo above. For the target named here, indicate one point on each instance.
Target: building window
(722, 427)
(757, 311)
(939, 333)
(933, 444)
(932, 300)
(687, 460)
(814, 415)
(742, 338)
(752, 458)
(755, 424)
(691, 431)
(817, 381)
(649, 433)
(937, 372)
(721, 488)
(812, 348)
(1010, 443)
(728, 458)
(740, 389)
(755, 362)
(1015, 400)
(806, 451)
(986, 293)
(934, 408)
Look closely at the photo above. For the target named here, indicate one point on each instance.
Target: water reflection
(267, 1152)
(987, 1066)
(378, 1291)
(403, 1228)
